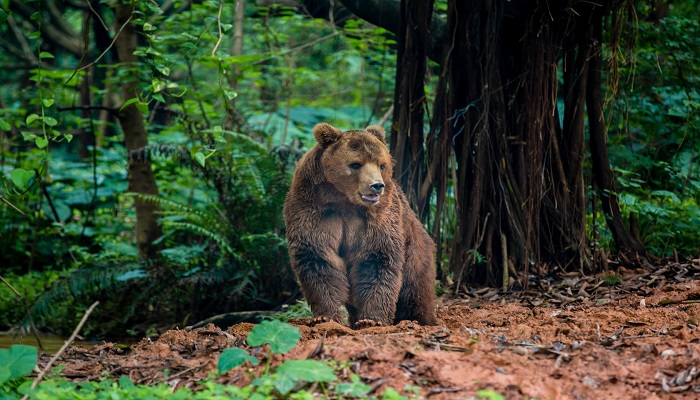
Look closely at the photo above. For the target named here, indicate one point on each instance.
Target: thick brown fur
(353, 239)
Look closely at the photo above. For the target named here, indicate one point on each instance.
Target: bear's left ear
(326, 134)
(377, 131)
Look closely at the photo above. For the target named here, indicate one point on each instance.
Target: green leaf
(356, 388)
(41, 142)
(159, 97)
(143, 107)
(200, 158)
(284, 384)
(196, 153)
(230, 94)
(4, 125)
(282, 337)
(163, 69)
(490, 395)
(68, 137)
(19, 360)
(34, 35)
(50, 121)
(126, 383)
(148, 27)
(20, 177)
(47, 102)
(392, 394)
(31, 118)
(28, 136)
(129, 102)
(157, 85)
(306, 370)
(234, 357)
(45, 54)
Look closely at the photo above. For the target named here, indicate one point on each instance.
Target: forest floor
(584, 338)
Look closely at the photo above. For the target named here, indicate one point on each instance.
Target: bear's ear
(326, 134)
(377, 131)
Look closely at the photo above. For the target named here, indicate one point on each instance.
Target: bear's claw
(319, 320)
(367, 323)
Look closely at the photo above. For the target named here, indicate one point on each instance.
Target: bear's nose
(377, 187)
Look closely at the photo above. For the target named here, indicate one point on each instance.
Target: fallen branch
(68, 342)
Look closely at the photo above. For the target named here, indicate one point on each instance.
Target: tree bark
(388, 15)
(141, 178)
(603, 177)
(407, 137)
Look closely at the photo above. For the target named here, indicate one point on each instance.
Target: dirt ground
(585, 338)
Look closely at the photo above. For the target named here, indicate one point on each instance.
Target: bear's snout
(377, 187)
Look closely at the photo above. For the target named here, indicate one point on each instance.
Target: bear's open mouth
(372, 198)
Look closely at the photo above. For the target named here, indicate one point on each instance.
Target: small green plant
(300, 309)
(289, 379)
(489, 395)
(611, 279)
(280, 338)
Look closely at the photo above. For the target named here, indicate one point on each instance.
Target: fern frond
(83, 282)
(238, 139)
(213, 235)
(146, 153)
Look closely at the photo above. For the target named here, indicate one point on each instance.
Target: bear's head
(357, 162)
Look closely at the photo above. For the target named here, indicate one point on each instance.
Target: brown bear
(353, 239)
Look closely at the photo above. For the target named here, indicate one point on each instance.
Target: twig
(386, 115)
(63, 348)
(218, 23)
(26, 308)
(88, 107)
(298, 48)
(54, 212)
(4, 200)
(104, 52)
(99, 18)
(176, 375)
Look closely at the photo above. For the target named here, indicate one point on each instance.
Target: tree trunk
(141, 179)
(406, 140)
(603, 178)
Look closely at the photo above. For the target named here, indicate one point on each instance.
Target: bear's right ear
(326, 134)
(377, 131)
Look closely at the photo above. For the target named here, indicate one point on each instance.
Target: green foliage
(306, 370)
(611, 279)
(17, 361)
(654, 131)
(287, 381)
(30, 286)
(354, 388)
(300, 309)
(234, 357)
(225, 130)
(280, 336)
(489, 395)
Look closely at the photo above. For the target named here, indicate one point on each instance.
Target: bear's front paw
(319, 320)
(367, 323)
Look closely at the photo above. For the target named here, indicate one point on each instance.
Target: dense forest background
(146, 146)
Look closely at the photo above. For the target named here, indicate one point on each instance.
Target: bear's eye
(382, 167)
(355, 165)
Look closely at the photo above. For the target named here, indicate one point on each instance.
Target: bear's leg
(352, 314)
(416, 303)
(417, 299)
(375, 289)
(324, 284)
